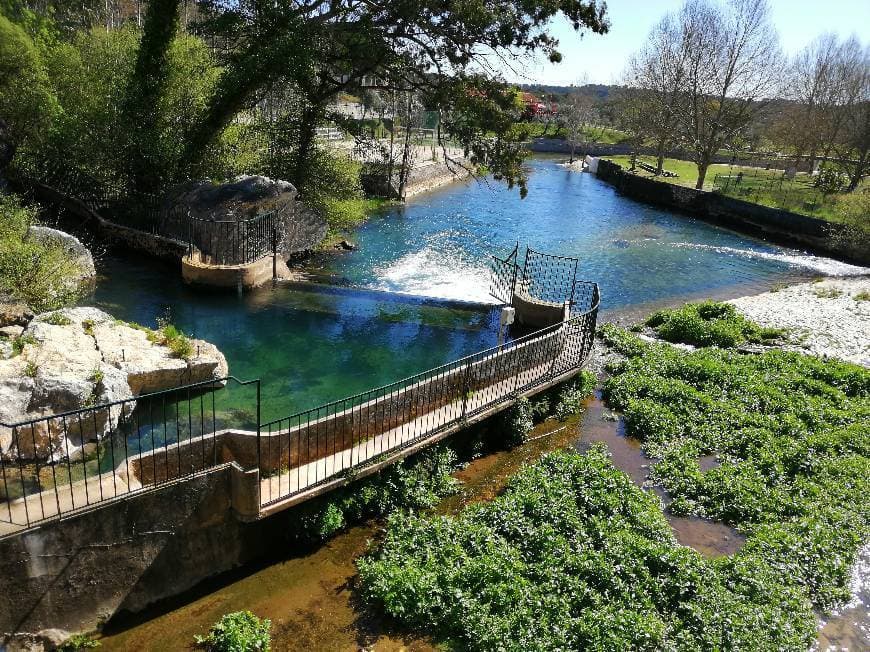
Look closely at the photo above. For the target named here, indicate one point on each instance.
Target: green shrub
(708, 324)
(40, 274)
(78, 642)
(827, 293)
(574, 556)
(416, 483)
(864, 295)
(57, 319)
(21, 341)
(31, 369)
(571, 395)
(516, 422)
(171, 337)
(240, 631)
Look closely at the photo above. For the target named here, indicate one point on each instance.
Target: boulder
(302, 228)
(74, 249)
(78, 357)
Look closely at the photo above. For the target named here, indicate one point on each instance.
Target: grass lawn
(600, 135)
(765, 187)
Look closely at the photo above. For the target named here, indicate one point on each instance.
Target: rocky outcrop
(79, 357)
(13, 313)
(245, 197)
(75, 250)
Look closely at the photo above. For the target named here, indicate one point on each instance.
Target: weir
(112, 463)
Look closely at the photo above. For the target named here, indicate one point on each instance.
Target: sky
(601, 57)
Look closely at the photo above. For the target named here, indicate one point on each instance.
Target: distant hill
(602, 91)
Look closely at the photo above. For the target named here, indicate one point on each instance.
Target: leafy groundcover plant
(791, 434)
(240, 631)
(709, 323)
(574, 556)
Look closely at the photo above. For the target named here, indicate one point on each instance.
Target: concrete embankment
(773, 224)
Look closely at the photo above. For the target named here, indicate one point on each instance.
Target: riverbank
(780, 226)
(828, 318)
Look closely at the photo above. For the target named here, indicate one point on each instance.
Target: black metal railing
(215, 241)
(504, 276)
(63, 463)
(542, 277)
(234, 242)
(312, 447)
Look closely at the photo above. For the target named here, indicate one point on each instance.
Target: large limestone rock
(74, 248)
(79, 357)
(247, 196)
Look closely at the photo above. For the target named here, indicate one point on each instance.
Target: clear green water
(306, 346)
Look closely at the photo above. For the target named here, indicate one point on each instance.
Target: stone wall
(71, 574)
(773, 224)
(423, 177)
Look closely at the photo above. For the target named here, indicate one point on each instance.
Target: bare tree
(854, 149)
(731, 69)
(657, 75)
(576, 114)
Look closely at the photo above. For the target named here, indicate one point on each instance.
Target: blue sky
(602, 57)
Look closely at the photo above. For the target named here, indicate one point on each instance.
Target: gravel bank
(829, 318)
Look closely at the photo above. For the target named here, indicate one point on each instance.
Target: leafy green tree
(442, 51)
(27, 104)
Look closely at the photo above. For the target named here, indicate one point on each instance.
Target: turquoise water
(306, 346)
(438, 244)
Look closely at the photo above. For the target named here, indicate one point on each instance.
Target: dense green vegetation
(574, 556)
(40, 274)
(709, 324)
(791, 439)
(415, 483)
(240, 631)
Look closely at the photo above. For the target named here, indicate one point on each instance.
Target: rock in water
(301, 228)
(78, 357)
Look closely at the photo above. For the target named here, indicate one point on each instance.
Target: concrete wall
(251, 275)
(131, 552)
(426, 176)
(770, 223)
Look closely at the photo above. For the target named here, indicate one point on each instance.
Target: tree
(27, 104)
(855, 108)
(576, 114)
(730, 71)
(657, 75)
(441, 51)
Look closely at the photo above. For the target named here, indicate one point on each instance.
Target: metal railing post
(465, 389)
(259, 422)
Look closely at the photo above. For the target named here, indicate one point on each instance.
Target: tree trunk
(311, 116)
(660, 155)
(144, 91)
(858, 172)
(703, 164)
